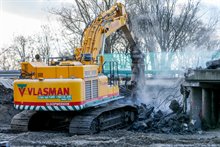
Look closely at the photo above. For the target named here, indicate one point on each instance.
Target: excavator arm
(103, 26)
(94, 37)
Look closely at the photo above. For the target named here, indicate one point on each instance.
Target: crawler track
(86, 122)
(103, 119)
(21, 120)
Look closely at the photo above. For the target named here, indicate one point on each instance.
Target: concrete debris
(7, 111)
(4, 144)
(175, 106)
(6, 91)
(7, 83)
(144, 112)
(214, 64)
(176, 122)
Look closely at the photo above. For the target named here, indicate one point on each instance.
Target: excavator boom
(94, 37)
(103, 26)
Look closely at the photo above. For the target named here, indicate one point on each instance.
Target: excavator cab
(86, 57)
(111, 71)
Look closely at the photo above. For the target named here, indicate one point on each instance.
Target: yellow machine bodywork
(77, 82)
(68, 87)
(41, 70)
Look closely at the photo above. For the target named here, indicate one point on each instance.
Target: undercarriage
(88, 121)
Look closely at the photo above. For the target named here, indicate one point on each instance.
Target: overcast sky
(26, 16)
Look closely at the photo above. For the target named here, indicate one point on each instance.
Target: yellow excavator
(75, 93)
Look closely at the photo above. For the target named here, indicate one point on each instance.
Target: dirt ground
(108, 138)
(105, 139)
(111, 138)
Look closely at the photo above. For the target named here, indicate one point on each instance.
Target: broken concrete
(175, 106)
(7, 110)
(214, 64)
(6, 91)
(161, 122)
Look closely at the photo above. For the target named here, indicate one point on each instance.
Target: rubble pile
(214, 64)
(6, 91)
(7, 110)
(150, 120)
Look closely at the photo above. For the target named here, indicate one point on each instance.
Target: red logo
(42, 91)
(22, 88)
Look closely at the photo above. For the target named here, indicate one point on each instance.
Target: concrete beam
(204, 75)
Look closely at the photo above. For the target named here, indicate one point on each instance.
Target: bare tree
(8, 59)
(77, 17)
(20, 46)
(167, 26)
(5, 65)
(24, 48)
(43, 42)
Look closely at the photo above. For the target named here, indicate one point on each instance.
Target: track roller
(103, 119)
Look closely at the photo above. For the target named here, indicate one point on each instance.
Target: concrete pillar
(196, 105)
(206, 108)
(214, 108)
(217, 94)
